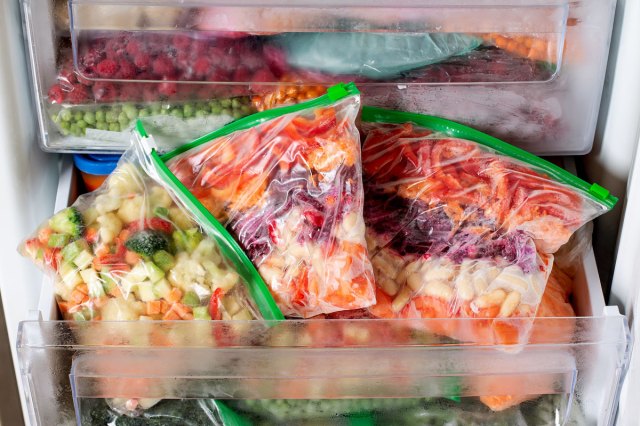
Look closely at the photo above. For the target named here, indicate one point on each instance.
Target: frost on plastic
(290, 190)
(127, 251)
(455, 229)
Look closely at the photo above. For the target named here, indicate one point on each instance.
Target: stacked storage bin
(527, 71)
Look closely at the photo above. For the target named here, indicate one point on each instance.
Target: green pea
(214, 104)
(65, 132)
(235, 103)
(75, 130)
(246, 109)
(201, 114)
(65, 125)
(124, 123)
(226, 111)
(116, 109)
(187, 110)
(102, 126)
(237, 114)
(55, 118)
(144, 112)
(66, 115)
(123, 116)
(177, 113)
(111, 117)
(114, 127)
(155, 109)
(100, 116)
(130, 111)
(225, 103)
(77, 116)
(82, 124)
(216, 110)
(90, 117)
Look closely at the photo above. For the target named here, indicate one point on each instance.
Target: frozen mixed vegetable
(127, 251)
(287, 182)
(463, 225)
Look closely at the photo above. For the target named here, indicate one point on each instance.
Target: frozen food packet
(131, 250)
(371, 55)
(287, 183)
(463, 225)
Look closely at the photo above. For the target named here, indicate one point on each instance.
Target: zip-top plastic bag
(463, 225)
(287, 183)
(130, 251)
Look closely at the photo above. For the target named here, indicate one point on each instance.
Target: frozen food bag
(463, 225)
(287, 183)
(131, 250)
(371, 55)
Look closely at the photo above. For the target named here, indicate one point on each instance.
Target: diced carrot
(171, 315)
(164, 307)
(131, 257)
(64, 307)
(91, 235)
(175, 295)
(77, 297)
(115, 291)
(83, 288)
(44, 234)
(99, 302)
(181, 310)
(187, 317)
(154, 307)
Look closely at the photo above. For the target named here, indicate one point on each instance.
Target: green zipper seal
(229, 247)
(334, 94)
(457, 130)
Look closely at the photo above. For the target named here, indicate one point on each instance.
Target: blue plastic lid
(93, 164)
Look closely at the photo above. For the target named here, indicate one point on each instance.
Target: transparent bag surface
(459, 228)
(128, 251)
(288, 185)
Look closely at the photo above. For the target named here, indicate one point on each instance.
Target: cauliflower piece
(158, 197)
(132, 209)
(125, 180)
(106, 203)
(110, 227)
(90, 215)
(118, 309)
(207, 250)
(180, 219)
(186, 272)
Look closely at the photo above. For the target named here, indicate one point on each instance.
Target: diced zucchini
(138, 274)
(190, 298)
(70, 251)
(164, 260)
(201, 313)
(58, 240)
(154, 272)
(145, 291)
(83, 259)
(69, 275)
(90, 277)
(161, 288)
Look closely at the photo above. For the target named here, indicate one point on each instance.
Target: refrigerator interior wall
(529, 72)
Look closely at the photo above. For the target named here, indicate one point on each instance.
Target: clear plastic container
(530, 72)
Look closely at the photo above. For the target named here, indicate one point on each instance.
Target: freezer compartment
(570, 369)
(528, 72)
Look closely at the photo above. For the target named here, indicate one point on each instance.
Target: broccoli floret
(68, 221)
(147, 242)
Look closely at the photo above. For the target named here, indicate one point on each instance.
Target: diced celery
(164, 260)
(83, 259)
(161, 288)
(154, 272)
(70, 251)
(201, 313)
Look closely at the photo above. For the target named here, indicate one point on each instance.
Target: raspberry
(163, 66)
(67, 76)
(181, 42)
(84, 80)
(133, 47)
(263, 76)
(218, 75)
(252, 60)
(167, 88)
(78, 94)
(104, 91)
(130, 91)
(242, 75)
(127, 70)
(201, 67)
(142, 61)
(56, 94)
(107, 68)
(200, 47)
(227, 61)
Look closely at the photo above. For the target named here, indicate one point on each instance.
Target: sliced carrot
(175, 295)
(164, 307)
(171, 315)
(78, 297)
(181, 310)
(44, 234)
(82, 288)
(64, 307)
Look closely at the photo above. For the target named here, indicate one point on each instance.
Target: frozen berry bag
(287, 183)
(463, 225)
(130, 250)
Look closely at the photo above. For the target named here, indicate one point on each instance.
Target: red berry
(163, 66)
(84, 80)
(104, 91)
(56, 94)
(181, 42)
(200, 47)
(242, 75)
(127, 70)
(252, 60)
(107, 68)
(133, 47)
(142, 61)
(78, 94)
(227, 61)
(201, 67)
(167, 88)
(67, 76)
(314, 218)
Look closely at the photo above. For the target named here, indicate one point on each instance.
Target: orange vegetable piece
(154, 307)
(175, 295)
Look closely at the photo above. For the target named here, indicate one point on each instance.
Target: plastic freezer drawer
(528, 71)
(75, 371)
